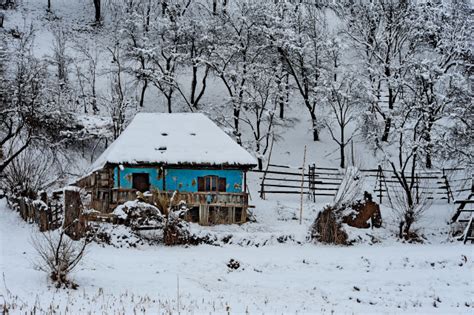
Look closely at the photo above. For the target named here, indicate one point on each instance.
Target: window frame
(212, 183)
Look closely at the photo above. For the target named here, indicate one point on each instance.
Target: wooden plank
(286, 180)
(278, 172)
(284, 166)
(283, 186)
(298, 192)
(463, 202)
(321, 188)
(285, 192)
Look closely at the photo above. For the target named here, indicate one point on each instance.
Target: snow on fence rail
(325, 181)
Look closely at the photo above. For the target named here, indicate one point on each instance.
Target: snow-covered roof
(174, 139)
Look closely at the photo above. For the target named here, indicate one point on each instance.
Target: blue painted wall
(178, 179)
(186, 179)
(126, 180)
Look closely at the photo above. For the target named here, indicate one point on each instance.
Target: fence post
(417, 187)
(44, 213)
(472, 182)
(311, 181)
(379, 177)
(302, 185)
(446, 183)
(73, 221)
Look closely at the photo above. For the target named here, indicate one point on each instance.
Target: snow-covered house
(164, 153)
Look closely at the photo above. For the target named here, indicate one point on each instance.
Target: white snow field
(291, 278)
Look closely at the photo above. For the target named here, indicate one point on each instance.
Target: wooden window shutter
(201, 184)
(222, 184)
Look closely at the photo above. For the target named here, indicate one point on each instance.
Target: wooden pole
(302, 186)
(262, 184)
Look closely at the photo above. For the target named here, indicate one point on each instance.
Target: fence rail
(325, 181)
(46, 212)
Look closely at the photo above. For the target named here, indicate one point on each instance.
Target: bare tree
(32, 171)
(117, 104)
(139, 32)
(58, 255)
(301, 38)
(86, 64)
(379, 32)
(24, 95)
(239, 42)
(409, 209)
(442, 81)
(259, 111)
(343, 103)
(194, 54)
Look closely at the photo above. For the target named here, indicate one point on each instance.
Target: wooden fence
(325, 181)
(46, 212)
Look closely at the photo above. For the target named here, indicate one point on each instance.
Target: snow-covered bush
(115, 235)
(177, 231)
(137, 213)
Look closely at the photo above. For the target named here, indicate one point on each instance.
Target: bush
(58, 256)
(29, 173)
(178, 232)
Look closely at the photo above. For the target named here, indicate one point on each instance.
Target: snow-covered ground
(290, 278)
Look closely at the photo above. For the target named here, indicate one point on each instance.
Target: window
(212, 183)
(141, 181)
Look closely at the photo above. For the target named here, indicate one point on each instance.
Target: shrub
(58, 255)
(137, 213)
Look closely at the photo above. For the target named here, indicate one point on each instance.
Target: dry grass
(327, 228)
(165, 201)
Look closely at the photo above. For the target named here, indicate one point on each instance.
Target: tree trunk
(214, 7)
(386, 132)
(97, 11)
(142, 94)
(342, 149)
(168, 99)
(194, 86)
(313, 125)
(236, 125)
(406, 230)
(429, 144)
(400, 229)
(343, 156)
(429, 162)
